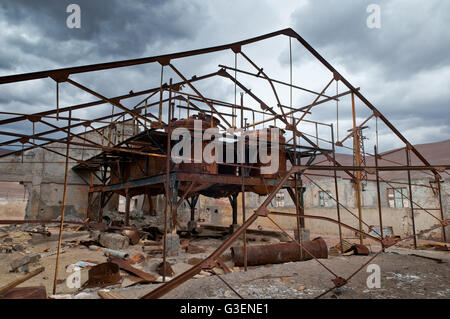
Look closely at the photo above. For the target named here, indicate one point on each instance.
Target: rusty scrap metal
(280, 253)
(26, 293)
(125, 265)
(103, 274)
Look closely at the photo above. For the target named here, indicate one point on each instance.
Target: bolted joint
(264, 212)
(208, 263)
(445, 222)
(59, 76)
(389, 241)
(339, 282)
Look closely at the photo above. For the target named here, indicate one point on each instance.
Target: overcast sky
(403, 68)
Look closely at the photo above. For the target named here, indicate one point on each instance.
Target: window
(324, 199)
(279, 200)
(397, 197)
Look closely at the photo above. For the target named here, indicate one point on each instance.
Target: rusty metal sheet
(106, 273)
(26, 293)
(125, 265)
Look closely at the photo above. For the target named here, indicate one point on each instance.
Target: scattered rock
(191, 249)
(194, 261)
(301, 287)
(17, 264)
(18, 247)
(113, 241)
(5, 249)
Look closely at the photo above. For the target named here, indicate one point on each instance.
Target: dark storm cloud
(403, 68)
(413, 36)
(108, 28)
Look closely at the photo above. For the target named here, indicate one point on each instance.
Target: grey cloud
(413, 35)
(109, 29)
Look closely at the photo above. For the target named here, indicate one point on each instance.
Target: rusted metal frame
(101, 200)
(388, 183)
(438, 182)
(167, 187)
(188, 82)
(243, 158)
(337, 202)
(313, 103)
(357, 158)
(185, 193)
(371, 169)
(339, 143)
(50, 150)
(263, 105)
(116, 103)
(210, 260)
(302, 109)
(260, 71)
(331, 220)
(227, 284)
(411, 204)
(205, 111)
(216, 102)
(101, 134)
(299, 210)
(317, 137)
(53, 131)
(125, 63)
(275, 81)
(85, 105)
(211, 100)
(50, 117)
(105, 148)
(343, 281)
(127, 206)
(66, 173)
(380, 214)
(206, 263)
(325, 154)
(336, 190)
(146, 101)
(302, 247)
(65, 131)
(292, 33)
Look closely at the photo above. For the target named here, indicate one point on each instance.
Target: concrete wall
(218, 211)
(42, 172)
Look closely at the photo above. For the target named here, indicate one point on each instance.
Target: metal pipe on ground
(280, 253)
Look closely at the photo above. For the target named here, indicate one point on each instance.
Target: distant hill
(437, 153)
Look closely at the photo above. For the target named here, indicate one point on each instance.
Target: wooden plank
(20, 280)
(110, 295)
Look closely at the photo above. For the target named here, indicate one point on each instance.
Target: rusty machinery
(142, 164)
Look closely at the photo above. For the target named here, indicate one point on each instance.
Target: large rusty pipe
(280, 253)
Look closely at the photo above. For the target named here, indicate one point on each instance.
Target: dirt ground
(402, 275)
